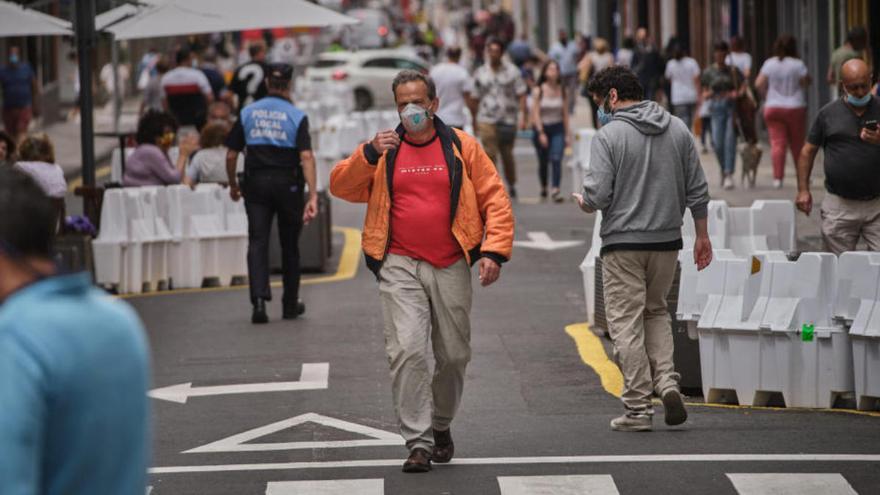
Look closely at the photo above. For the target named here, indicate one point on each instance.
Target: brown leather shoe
(419, 461)
(444, 447)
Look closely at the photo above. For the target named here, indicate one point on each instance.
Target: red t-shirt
(421, 227)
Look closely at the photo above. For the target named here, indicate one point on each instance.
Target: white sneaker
(777, 183)
(641, 422)
(727, 183)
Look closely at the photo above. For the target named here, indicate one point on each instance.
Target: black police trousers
(267, 193)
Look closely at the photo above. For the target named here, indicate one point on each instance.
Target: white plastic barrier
(858, 304)
(753, 331)
(581, 159)
(131, 251)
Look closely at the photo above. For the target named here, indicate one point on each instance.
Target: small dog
(750, 154)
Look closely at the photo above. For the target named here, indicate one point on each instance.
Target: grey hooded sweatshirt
(644, 170)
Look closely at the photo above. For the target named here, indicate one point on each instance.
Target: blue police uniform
(272, 132)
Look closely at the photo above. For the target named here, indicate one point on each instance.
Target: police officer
(274, 136)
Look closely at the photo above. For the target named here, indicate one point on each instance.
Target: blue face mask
(858, 102)
(13, 59)
(603, 116)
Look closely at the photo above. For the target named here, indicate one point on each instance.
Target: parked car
(368, 72)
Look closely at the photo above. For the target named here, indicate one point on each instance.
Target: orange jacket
(481, 212)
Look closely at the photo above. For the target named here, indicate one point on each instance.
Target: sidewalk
(809, 237)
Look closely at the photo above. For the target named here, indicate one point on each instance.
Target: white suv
(368, 72)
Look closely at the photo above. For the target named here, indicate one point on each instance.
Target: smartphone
(871, 125)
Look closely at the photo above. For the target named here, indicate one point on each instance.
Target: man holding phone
(847, 129)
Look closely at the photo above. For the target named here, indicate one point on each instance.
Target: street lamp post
(85, 44)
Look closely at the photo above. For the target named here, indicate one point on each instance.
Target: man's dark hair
(409, 75)
(454, 53)
(628, 43)
(182, 55)
(857, 37)
(721, 46)
(256, 48)
(152, 125)
(495, 41)
(616, 77)
(28, 220)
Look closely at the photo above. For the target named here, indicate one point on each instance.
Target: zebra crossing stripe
(601, 484)
(790, 484)
(328, 487)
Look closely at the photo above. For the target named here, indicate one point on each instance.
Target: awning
(181, 17)
(16, 20)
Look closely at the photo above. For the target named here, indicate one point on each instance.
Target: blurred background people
(550, 121)
(36, 158)
(187, 91)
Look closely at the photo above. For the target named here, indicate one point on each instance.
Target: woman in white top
(683, 73)
(593, 63)
(782, 80)
(550, 121)
(208, 164)
(37, 158)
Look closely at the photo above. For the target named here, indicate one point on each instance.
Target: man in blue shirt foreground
(74, 366)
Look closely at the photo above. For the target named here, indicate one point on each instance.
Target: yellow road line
(593, 354)
(346, 270)
(99, 174)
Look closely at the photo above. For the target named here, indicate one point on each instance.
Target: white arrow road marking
(313, 377)
(330, 487)
(540, 240)
(600, 484)
(784, 483)
(237, 443)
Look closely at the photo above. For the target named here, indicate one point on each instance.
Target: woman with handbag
(722, 85)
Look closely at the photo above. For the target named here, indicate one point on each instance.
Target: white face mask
(415, 119)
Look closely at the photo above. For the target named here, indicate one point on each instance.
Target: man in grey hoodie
(644, 170)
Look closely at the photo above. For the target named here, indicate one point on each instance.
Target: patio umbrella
(16, 20)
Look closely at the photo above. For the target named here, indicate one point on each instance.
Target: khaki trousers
(636, 284)
(845, 221)
(494, 147)
(422, 306)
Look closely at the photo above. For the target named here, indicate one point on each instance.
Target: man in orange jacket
(449, 210)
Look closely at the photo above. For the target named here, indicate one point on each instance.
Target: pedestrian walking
(782, 81)
(249, 81)
(746, 107)
(520, 50)
(154, 97)
(451, 80)
(187, 92)
(683, 73)
(626, 52)
(641, 235)
(498, 105)
(274, 136)
(722, 84)
(739, 57)
(74, 365)
(20, 93)
(550, 120)
(566, 53)
(853, 47)
(847, 131)
(647, 64)
(435, 206)
(593, 62)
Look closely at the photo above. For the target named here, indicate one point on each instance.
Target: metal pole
(85, 43)
(117, 91)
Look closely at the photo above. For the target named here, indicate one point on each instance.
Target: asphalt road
(534, 417)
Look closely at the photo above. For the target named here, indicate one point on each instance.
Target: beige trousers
(636, 284)
(495, 147)
(845, 221)
(423, 306)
